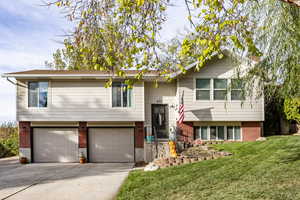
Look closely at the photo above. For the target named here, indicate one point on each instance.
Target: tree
(278, 37)
(116, 35)
(112, 35)
(293, 2)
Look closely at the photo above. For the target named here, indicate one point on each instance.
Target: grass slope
(257, 170)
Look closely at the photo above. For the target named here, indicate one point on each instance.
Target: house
(65, 114)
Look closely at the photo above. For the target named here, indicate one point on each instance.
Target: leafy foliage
(114, 36)
(9, 139)
(278, 37)
(292, 109)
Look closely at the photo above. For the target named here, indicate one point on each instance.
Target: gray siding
(79, 100)
(210, 110)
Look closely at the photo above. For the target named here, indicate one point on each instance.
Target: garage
(55, 144)
(111, 144)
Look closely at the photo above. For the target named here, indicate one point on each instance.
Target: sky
(30, 34)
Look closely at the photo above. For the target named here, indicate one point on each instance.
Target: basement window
(38, 94)
(233, 133)
(218, 133)
(121, 95)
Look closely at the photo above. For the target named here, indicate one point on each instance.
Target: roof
(94, 72)
(78, 74)
(39, 73)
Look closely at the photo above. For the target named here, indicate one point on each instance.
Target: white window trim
(218, 89)
(195, 89)
(241, 134)
(121, 107)
(239, 100)
(212, 89)
(48, 95)
(217, 134)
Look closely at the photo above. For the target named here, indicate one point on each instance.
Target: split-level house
(63, 115)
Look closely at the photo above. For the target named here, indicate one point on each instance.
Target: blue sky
(29, 34)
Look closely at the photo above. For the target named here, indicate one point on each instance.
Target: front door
(160, 121)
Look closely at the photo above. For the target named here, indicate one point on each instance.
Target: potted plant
(82, 158)
(23, 160)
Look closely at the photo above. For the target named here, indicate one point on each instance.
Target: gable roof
(40, 73)
(252, 59)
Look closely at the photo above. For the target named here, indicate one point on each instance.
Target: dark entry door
(160, 120)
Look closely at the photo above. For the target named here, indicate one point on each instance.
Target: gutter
(63, 75)
(16, 84)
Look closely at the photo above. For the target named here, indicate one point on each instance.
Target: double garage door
(104, 145)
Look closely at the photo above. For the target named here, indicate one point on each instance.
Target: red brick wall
(82, 130)
(139, 135)
(251, 130)
(24, 135)
(186, 131)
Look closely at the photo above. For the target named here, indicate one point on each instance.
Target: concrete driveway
(61, 181)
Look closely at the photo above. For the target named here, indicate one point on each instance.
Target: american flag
(181, 110)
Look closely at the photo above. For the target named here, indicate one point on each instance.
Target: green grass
(257, 170)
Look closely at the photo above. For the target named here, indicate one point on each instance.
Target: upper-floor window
(121, 95)
(202, 89)
(220, 89)
(37, 94)
(236, 90)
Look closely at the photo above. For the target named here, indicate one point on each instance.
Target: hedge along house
(65, 114)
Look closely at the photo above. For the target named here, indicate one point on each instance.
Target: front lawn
(257, 170)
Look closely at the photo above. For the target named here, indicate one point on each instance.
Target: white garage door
(111, 145)
(55, 144)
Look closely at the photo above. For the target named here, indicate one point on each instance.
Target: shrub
(292, 109)
(9, 139)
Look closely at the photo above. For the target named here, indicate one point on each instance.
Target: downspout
(16, 84)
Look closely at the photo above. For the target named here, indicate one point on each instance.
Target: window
(234, 133)
(37, 94)
(220, 89)
(221, 133)
(218, 133)
(236, 90)
(202, 133)
(230, 134)
(202, 89)
(121, 95)
(213, 133)
(237, 133)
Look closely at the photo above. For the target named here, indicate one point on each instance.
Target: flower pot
(23, 160)
(82, 160)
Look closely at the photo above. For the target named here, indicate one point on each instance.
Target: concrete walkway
(61, 181)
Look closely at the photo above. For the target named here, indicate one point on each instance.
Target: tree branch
(293, 2)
